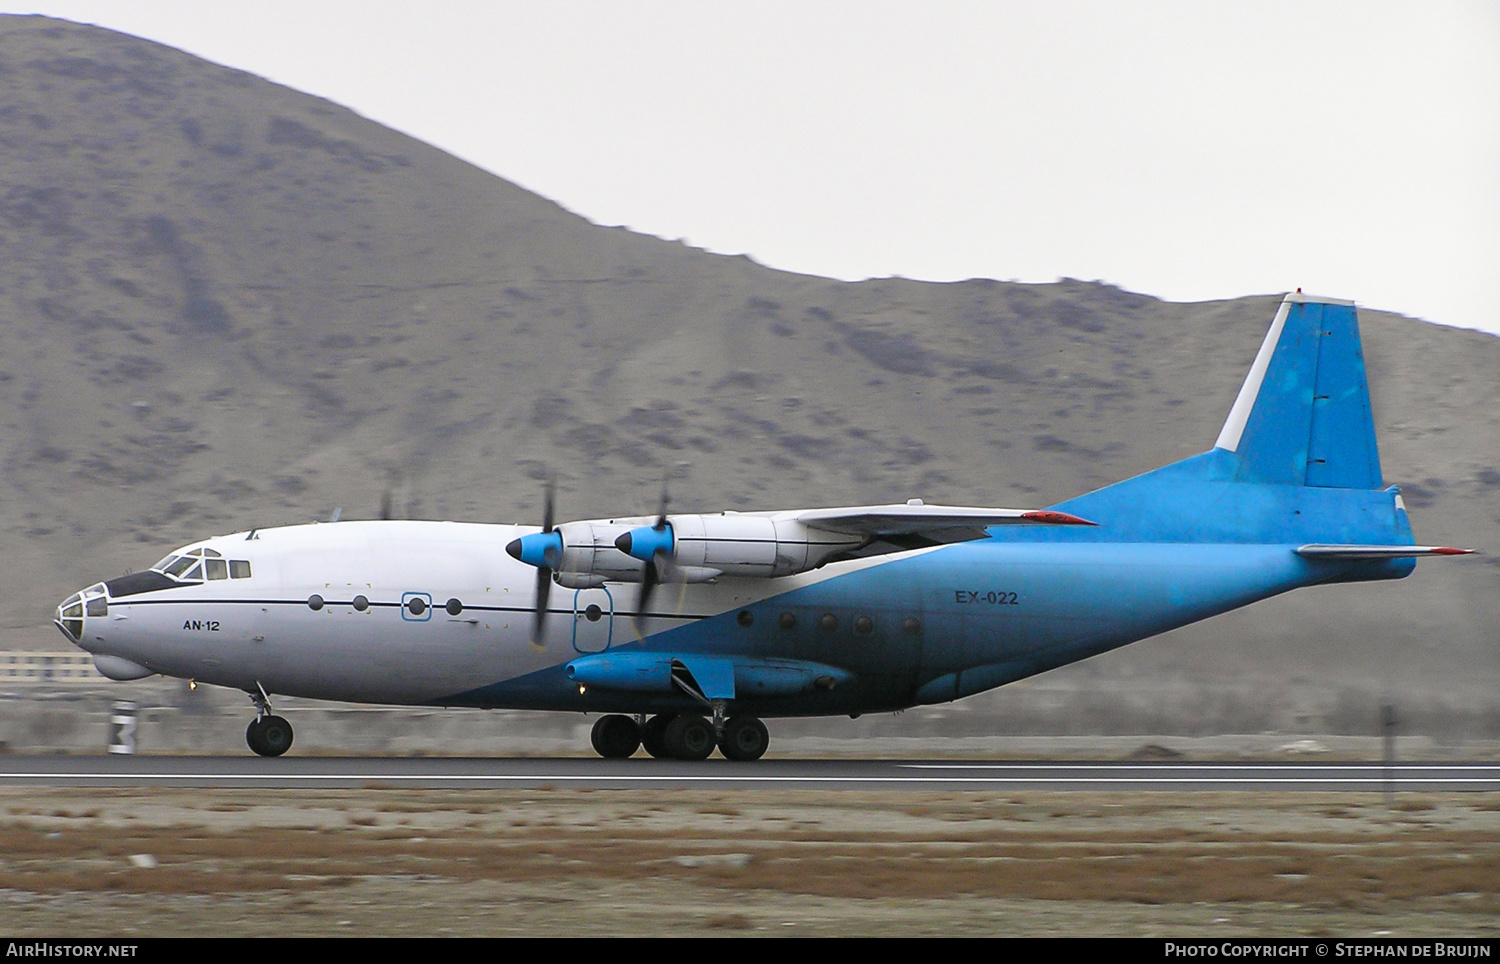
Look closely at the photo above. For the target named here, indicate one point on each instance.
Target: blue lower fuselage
(941, 624)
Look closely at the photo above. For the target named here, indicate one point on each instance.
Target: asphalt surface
(440, 772)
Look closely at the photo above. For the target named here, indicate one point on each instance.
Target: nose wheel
(267, 734)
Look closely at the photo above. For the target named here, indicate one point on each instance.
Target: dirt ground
(401, 862)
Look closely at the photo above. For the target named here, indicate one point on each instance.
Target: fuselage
(438, 613)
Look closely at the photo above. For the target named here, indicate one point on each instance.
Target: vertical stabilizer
(1303, 415)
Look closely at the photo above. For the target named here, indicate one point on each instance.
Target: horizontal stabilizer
(1319, 551)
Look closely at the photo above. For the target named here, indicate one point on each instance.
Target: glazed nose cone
(69, 617)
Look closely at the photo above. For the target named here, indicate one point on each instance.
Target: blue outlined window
(416, 607)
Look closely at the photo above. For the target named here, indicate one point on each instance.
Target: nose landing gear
(267, 734)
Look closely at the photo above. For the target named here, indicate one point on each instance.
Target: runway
(897, 775)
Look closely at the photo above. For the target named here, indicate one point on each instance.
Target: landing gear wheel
(269, 735)
(653, 735)
(615, 737)
(745, 738)
(689, 737)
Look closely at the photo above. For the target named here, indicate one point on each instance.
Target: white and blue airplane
(686, 630)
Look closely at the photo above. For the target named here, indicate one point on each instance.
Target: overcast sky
(1186, 150)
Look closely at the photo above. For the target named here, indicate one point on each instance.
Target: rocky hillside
(226, 303)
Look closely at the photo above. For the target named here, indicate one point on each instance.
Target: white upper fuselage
(406, 612)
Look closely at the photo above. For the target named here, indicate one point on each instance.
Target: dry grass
(1231, 850)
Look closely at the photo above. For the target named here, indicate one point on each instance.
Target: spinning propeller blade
(544, 573)
(543, 550)
(656, 565)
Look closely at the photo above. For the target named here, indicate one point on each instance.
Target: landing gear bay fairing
(685, 631)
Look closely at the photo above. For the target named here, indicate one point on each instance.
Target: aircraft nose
(76, 608)
(70, 617)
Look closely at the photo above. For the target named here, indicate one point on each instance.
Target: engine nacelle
(588, 550)
(686, 548)
(583, 555)
(737, 545)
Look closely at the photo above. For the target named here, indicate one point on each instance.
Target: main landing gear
(679, 736)
(268, 735)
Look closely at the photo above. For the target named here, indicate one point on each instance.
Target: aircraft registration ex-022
(685, 630)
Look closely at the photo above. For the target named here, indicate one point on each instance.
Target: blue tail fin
(1296, 461)
(1303, 414)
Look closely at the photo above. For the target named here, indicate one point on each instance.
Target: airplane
(684, 631)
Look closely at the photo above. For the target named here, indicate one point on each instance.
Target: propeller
(655, 550)
(543, 550)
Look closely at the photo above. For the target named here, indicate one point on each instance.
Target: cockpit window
(194, 565)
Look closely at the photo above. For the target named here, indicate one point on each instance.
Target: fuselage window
(239, 569)
(216, 568)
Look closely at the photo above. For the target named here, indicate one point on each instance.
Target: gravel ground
(401, 862)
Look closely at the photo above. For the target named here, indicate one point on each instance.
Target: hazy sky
(1187, 150)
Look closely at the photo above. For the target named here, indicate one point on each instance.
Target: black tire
(269, 736)
(653, 735)
(745, 738)
(689, 737)
(615, 737)
(253, 738)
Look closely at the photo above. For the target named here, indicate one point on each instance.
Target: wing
(930, 524)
